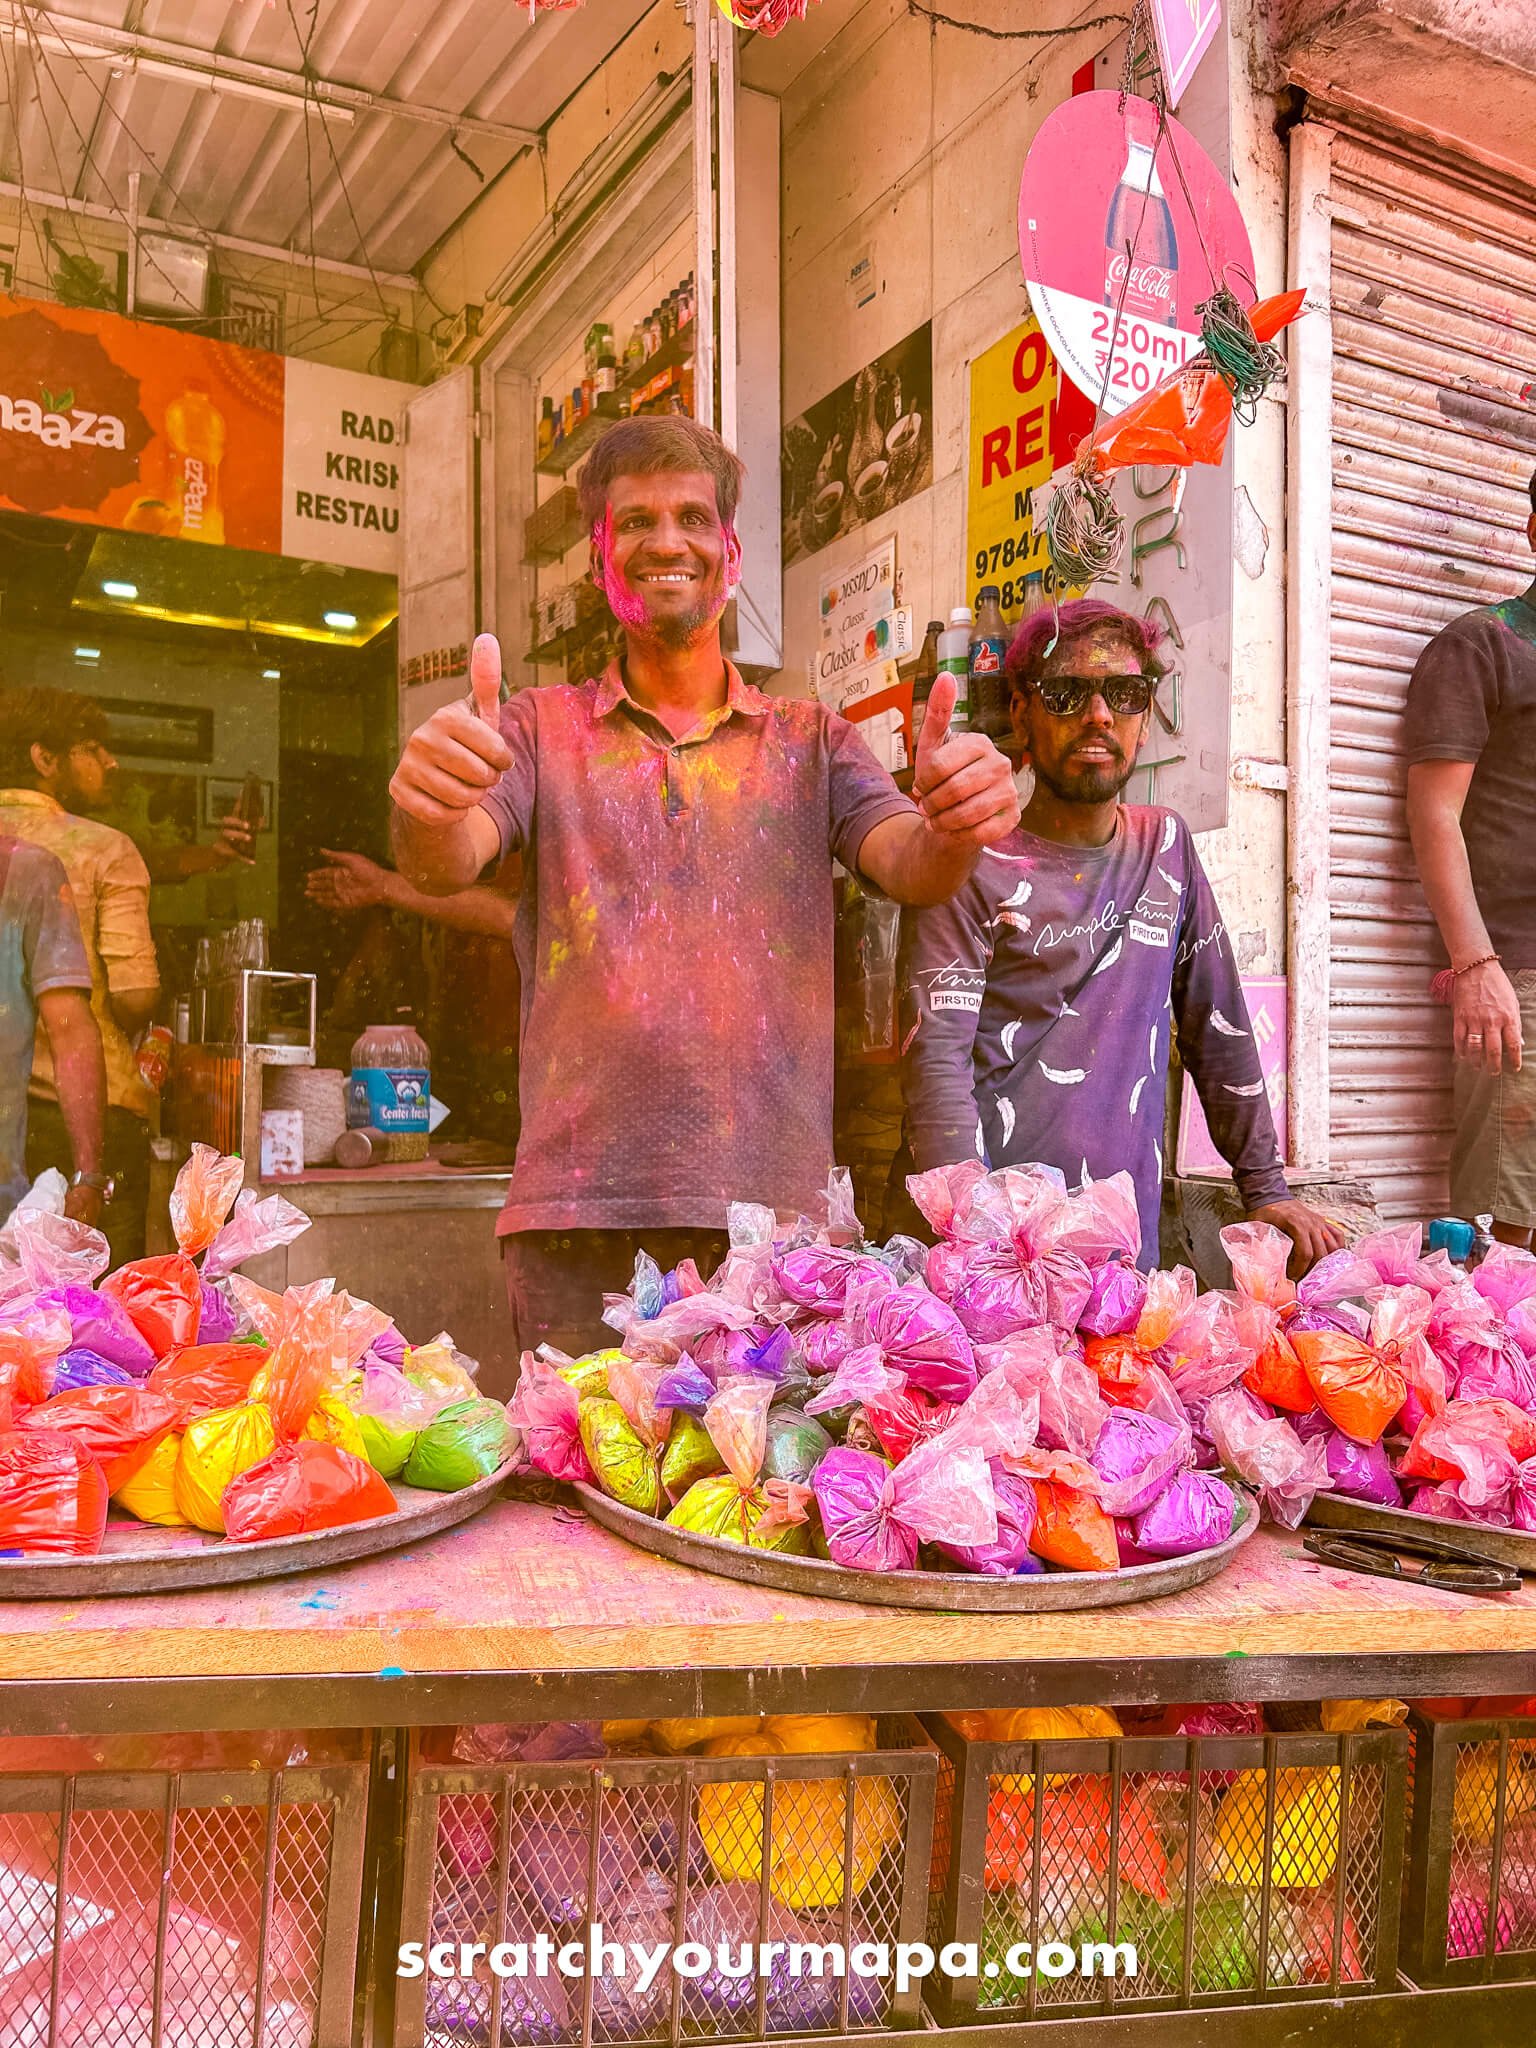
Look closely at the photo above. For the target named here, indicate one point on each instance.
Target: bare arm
(966, 799)
(441, 834)
(1485, 1011)
(80, 1074)
(353, 882)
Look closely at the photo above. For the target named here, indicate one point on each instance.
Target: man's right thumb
(485, 678)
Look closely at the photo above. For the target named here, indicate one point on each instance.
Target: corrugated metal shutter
(1434, 436)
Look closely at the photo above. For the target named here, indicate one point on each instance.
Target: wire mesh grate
(773, 1869)
(1263, 1878)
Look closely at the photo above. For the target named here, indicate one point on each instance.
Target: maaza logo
(71, 431)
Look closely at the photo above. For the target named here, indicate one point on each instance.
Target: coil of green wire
(1246, 365)
(1084, 528)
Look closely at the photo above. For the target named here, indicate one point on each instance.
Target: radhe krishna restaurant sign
(149, 429)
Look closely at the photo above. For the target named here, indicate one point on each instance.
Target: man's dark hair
(54, 719)
(1046, 630)
(654, 446)
(1533, 490)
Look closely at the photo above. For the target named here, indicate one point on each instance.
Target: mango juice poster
(140, 427)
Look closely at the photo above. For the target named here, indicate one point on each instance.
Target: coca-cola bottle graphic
(1138, 232)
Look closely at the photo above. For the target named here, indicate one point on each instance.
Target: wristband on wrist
(1443, 987)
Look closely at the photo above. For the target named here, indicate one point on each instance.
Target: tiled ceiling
(77, 116)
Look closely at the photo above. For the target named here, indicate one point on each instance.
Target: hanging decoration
(538, 7)
(763, 17)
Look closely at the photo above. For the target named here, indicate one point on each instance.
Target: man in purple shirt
(1042, 999)
(675, 930)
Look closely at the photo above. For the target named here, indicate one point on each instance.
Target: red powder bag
(1120, 1365)
(118, 1425)
(1357, 1390)
(1278, 1376)
(163, 1298)
(207, 1376)
(1071, 1529)
(303, 1486)
(53, 1495)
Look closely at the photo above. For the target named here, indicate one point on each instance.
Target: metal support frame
(707, 36)
(1309, 511)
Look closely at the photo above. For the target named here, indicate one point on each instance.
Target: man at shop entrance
(675, 929)
(1470, 739)
(1042, 999)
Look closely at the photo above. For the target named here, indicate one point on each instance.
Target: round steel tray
(1509, 1546)
(138, 1557)
(953, 1592)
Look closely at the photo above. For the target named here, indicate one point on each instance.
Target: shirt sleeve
(122, 919)
(1217, 1045)
(510, 801)
(1453, 695)
(946, 952)
(52, 947)
(861, 793)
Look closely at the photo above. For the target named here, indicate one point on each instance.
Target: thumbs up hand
(452, 760)
(962, 785)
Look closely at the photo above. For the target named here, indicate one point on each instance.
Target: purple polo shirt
(675, 938)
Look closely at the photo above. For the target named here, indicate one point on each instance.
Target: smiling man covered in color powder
(675, 932)
(1041, 1002)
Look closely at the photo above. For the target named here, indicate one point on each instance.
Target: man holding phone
(675, 929)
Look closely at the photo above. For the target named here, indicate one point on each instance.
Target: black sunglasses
(1067, 696)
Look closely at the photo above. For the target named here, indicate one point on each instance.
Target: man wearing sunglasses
(1041, 1001)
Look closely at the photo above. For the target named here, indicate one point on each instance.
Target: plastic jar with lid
(390, 1090)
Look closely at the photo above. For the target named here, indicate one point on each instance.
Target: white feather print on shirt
(1019, 898)
(1016, 918)
(1064, 1077)
(1219, 1023)
(1005, 1117)
(1136, 1093)
(1170, 833)
(981, 1141)
(1111, 956)
(1010, 1033)
(1152, 1048)
(1253, 1088)
(1157, 1154)
(1172, 881)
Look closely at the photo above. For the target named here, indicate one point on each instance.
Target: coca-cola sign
(1125, 225)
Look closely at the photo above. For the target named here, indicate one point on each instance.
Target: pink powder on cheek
(627, 605)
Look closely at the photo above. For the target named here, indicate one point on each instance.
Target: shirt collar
(740, 697)
(33, 799)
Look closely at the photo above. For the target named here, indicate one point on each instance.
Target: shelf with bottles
(653, 373)
(553, 529)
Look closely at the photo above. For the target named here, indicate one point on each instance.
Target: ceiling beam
(298, 259)
(95, 42)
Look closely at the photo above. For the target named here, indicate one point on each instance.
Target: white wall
(907, 144)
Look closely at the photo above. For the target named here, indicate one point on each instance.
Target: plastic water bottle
(955, 660)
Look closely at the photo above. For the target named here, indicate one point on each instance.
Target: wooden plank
(533, 1588)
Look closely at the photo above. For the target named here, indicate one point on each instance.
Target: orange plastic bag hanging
(300, 1487)
(29, 1353)
(202, 1198)
(118, 1425)
(1357, 1389)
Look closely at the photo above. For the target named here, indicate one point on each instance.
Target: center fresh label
(388, 1099)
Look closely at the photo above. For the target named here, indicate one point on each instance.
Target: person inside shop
(45, 981)
(675, 929)
(1470, 741)
(457, 950)
(1041, 1001)
(55, 770)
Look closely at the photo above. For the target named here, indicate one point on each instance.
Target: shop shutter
(1434, 438)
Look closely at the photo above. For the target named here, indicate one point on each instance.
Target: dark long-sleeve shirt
(1039, 1004)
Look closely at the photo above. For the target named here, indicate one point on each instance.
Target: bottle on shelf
(634, 348)
(606, 384)
(1035, 598)
(925, 675)
(546, 433)
(989, 644)
(955, 660)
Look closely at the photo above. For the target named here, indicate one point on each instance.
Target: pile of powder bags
(1021, 1396)
(181, 1392)
(1015, 1399)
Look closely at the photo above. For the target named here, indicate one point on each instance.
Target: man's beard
(683, 631)
(1095, 784)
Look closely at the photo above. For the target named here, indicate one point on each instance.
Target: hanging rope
(1084, 527)
(1246, 365)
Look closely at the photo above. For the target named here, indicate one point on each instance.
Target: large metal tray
(1509, 1546)
(953, 1592)
(137, 1557)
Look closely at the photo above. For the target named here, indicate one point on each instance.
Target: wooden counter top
(531, 1602)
